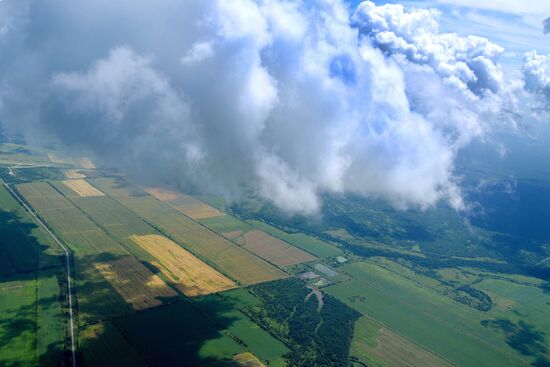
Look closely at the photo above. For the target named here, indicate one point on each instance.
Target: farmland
(102, 344)
(90, 244)
(405, 307)
(223, 255)
(188, 205)
(210, 290)
(191, 275)
(307, 243)
(176, 334)
(81, 234)
(224, 309)
(32, 327)
(134, 282)
(375, 345)
(24, 246)
(274, 250)
(82, 188)
(81, 162)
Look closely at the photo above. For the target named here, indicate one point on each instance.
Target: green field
(102, 345)
(176, 335)
(307, 243)
(225, 223)
(259, 341)
(438, 323)
(24, 246)
(80, 233)
(374, 345)
(32, 326)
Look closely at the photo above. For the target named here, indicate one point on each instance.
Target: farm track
(68, 260)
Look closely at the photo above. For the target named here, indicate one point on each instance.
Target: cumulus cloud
(282, 97)
(536, 74)
(468, 62)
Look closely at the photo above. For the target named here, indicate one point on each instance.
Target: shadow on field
(24, 259)
(180, 332)
(133, 191)
(177, 334)
(20, 250)
(523, 337)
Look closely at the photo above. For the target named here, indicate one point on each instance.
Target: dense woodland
(319, 334)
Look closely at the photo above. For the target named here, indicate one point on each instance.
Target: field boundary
(479, 339)
(218, 234)
(68, 260)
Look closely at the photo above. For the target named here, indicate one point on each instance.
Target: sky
(285, 99)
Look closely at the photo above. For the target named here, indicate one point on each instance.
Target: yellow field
(190, 274)
(134, 282)
(83, 162)
(73, 174)
(274, 250)
(82, 188)
(188, 205)
(247, 360)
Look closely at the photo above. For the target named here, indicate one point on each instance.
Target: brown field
(190, 274)
(74, 174)
(188, 205)
(134, 282)
(274, 250)
(247, 360)
(82, 188)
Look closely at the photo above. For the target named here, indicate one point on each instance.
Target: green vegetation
(259, 341)
(24, 246)
(176, 335)
(318, 330)
(420, 288)
(375, 345)
(225, 223)
(438, 323)
(103, 345)
(97, 300)
(32, 326)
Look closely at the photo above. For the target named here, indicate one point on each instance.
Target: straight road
(68, 258)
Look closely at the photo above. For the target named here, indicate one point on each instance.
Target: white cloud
(198, 52)
(468, 62)
(282, 97)
(536, 74)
